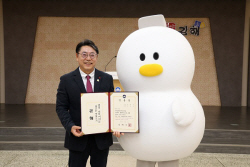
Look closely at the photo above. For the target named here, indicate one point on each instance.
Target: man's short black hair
(87, 42)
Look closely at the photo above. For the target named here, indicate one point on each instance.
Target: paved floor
(227, 118)
(116, 159)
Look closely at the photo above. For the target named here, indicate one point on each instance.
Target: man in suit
(84, 79)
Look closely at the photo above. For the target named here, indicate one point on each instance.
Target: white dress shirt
(84, 79)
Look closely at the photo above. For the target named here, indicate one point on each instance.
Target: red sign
(171, 25)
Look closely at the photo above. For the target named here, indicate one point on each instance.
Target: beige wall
(54, 53)
(2, 76)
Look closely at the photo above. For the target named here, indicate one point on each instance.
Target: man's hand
(117, 134)
(75, 130)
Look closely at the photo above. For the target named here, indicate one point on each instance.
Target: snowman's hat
(153, 20)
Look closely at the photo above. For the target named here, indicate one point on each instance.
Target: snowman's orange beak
(151, 70)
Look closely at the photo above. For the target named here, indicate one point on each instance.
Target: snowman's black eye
(142, 56)
(156, 56)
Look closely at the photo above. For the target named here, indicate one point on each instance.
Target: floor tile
(39, 159)
(6, 158)
(239, 160)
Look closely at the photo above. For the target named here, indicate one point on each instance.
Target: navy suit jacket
(68, 107)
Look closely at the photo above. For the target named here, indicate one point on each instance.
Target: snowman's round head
(154, 59)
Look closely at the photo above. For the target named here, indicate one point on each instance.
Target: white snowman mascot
(159, 62)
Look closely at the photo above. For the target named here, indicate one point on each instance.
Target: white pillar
(2, 71)
(245, 55)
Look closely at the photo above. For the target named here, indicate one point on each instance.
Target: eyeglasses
(84, 55)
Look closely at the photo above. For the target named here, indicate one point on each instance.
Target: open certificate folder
(109, 111)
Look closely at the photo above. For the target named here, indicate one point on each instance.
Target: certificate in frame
(109, 111)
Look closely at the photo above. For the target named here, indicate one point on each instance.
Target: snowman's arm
(183, 112)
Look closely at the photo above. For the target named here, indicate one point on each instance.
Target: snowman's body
(159, 63)
(160, 138)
